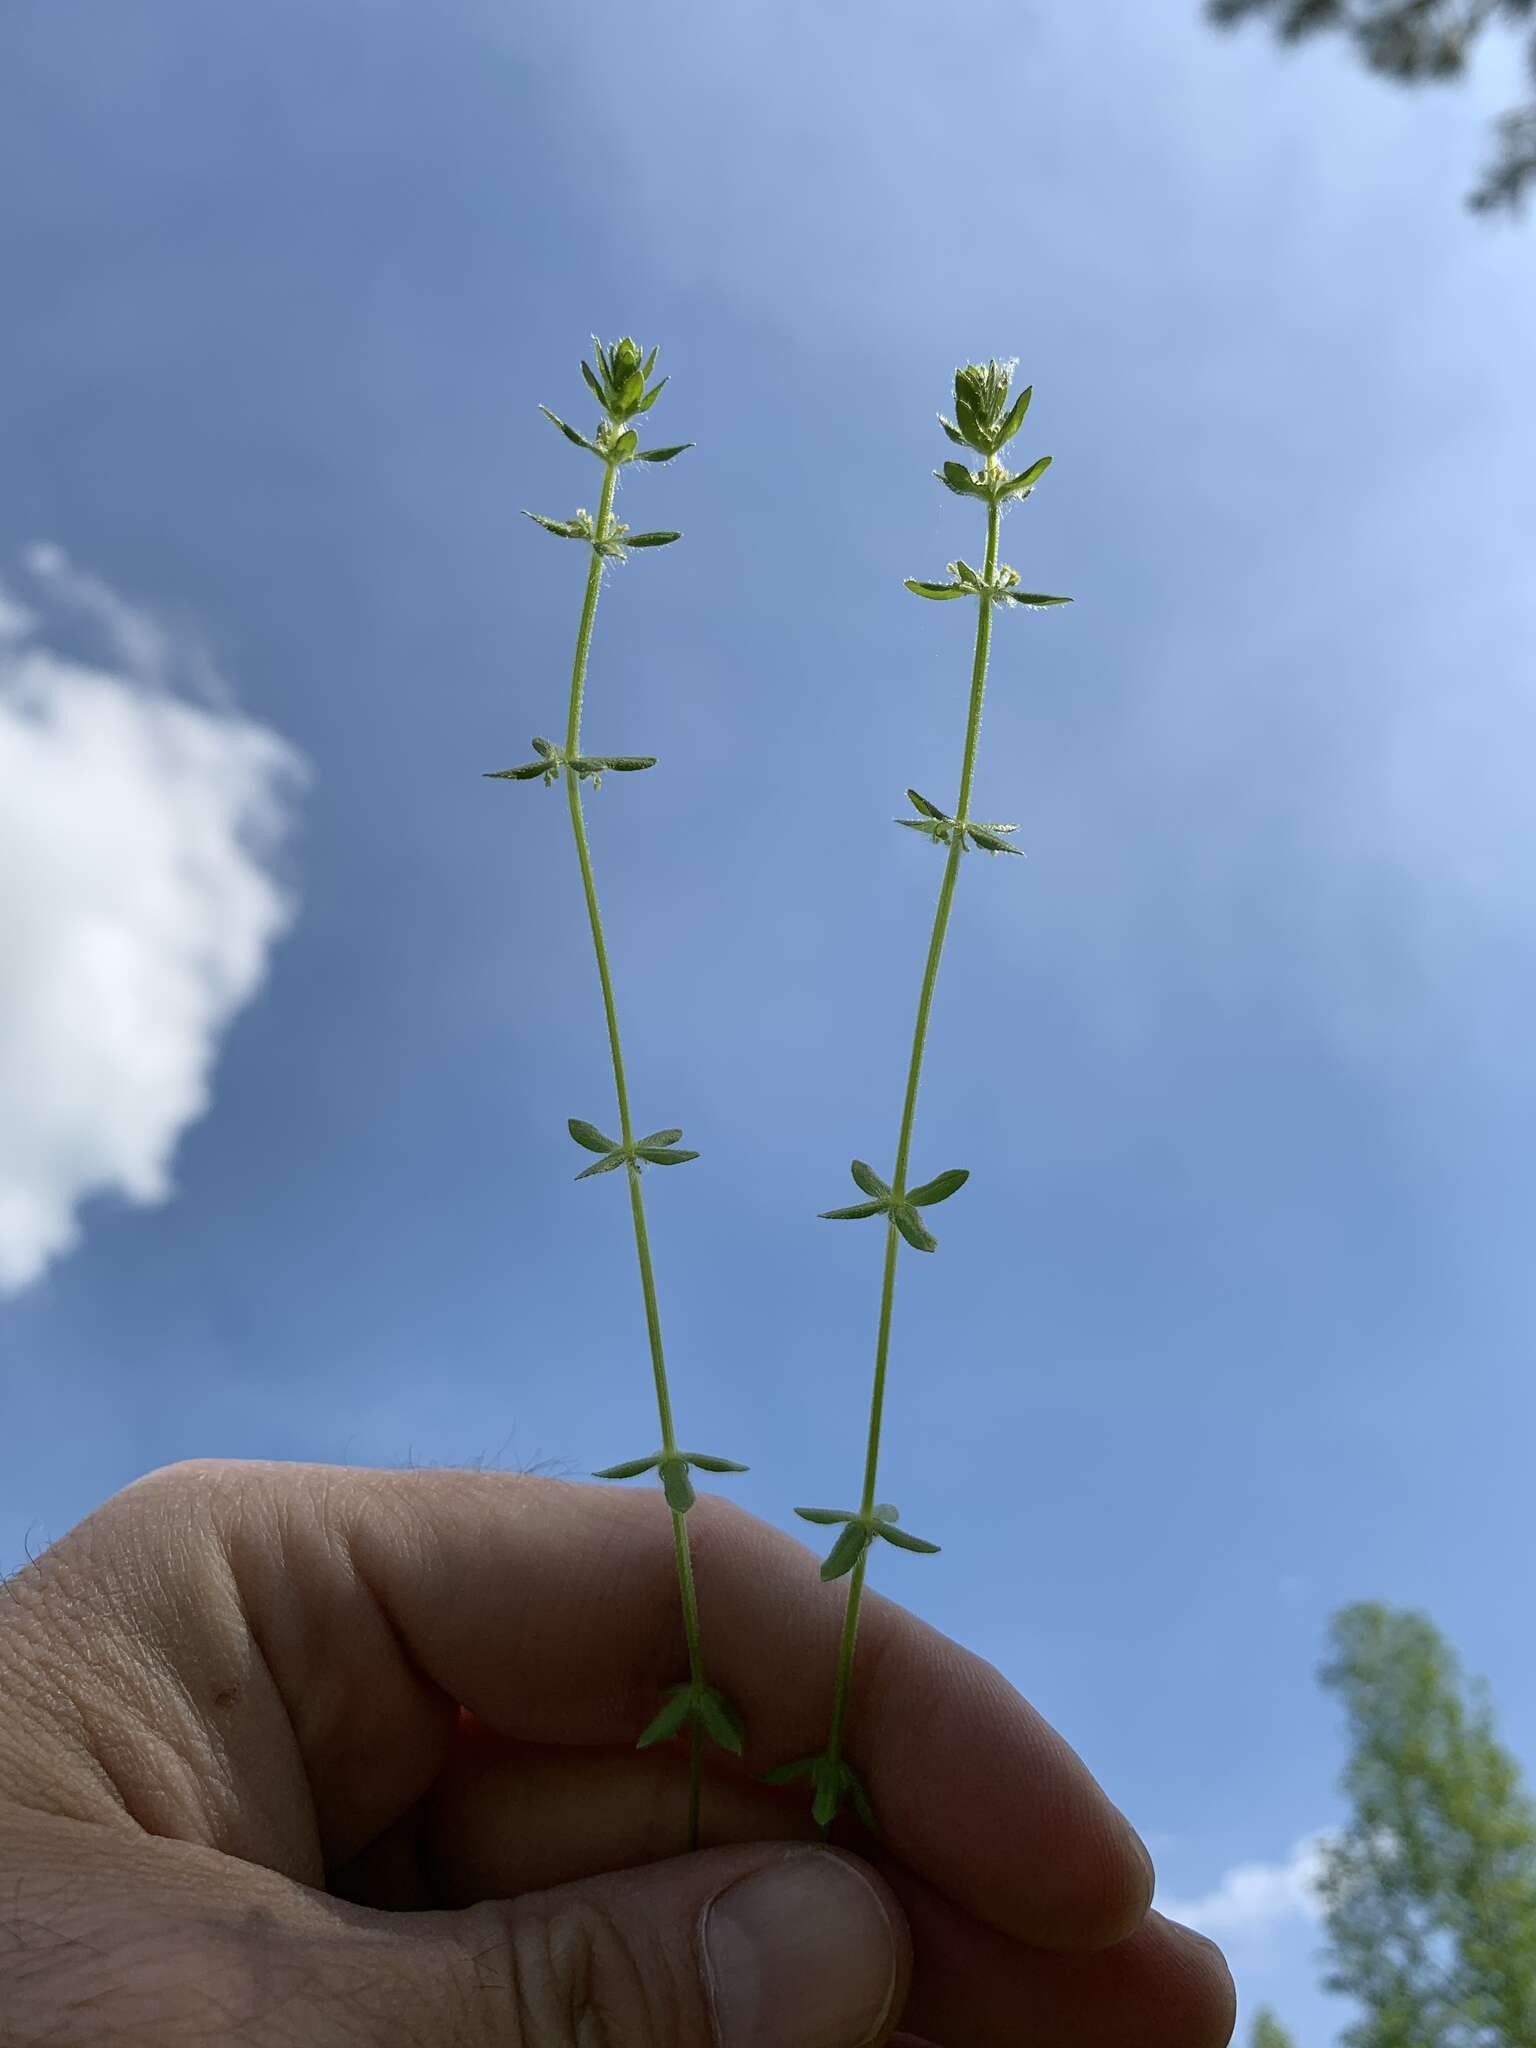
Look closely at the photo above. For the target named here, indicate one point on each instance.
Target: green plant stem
(685, 1582)
(848, 1645)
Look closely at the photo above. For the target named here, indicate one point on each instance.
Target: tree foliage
(1268, 2032)
(1431, 1889)
(1414, 41)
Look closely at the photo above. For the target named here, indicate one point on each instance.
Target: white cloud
(1252, 1899)
(138, 910)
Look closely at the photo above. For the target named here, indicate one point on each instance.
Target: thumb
(762, 1947)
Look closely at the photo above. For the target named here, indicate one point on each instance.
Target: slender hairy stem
(621, 1090)
(904, 1141)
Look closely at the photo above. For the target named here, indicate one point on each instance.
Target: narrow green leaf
(665, 1155)
(910, 1225)
(940, 1188)
(921, 803)
(859, 1210)
(525, 773)
(628, 764)
(1034, 599)
(651, 397)
(671, 1720)
(631, 1468)
(972, 578)
(1015, 418)
(570, 433)
(825, 1517)
(663, 454)
(650, 540)
(827, 1778)
(1028, 478)
(985, 836)
(903, 1541)
(676, 1485)
(956, 477)
(662, 1138)
(546, 748)
(618, 1157)
(967, 418)
(937, 591)
(585, 764)
(707, 1462)
(860, 1798)
(866, 1177)
(786, 1774)
(846, 1551)
(650, 362)
(589, 1135)
(721, 1720)
(567, 529)
(593, 385)
(936, 829)
(631, 391)
(626, 444)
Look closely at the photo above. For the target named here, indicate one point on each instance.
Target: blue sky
(1234, 1322)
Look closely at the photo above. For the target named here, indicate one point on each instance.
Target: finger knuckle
(568, 1975)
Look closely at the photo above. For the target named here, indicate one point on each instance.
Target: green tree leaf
(1268, 2032)
(650, 540)
(1430, 1888)
(567, 529)
(589, 1135)
(627, 764)
(663, 454)
(865, 1177)
(525, 773)
(939, 592)
(940, 1188)
(707, 1462)
(826, 1517)
(662, 1138)
(664, 1155)
(928, 809)
(1033, 599)
(856, 1214)
(903, 1541)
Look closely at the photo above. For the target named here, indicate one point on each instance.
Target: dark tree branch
(1414, 42)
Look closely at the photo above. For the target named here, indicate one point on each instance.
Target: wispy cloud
(1253, 1899)
(138, 908)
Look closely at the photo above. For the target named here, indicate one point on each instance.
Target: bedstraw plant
(984, 423)
(622, 385)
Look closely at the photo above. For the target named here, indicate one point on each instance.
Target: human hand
(309, 1757)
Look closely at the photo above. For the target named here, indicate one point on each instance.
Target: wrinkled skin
(305, 1755)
